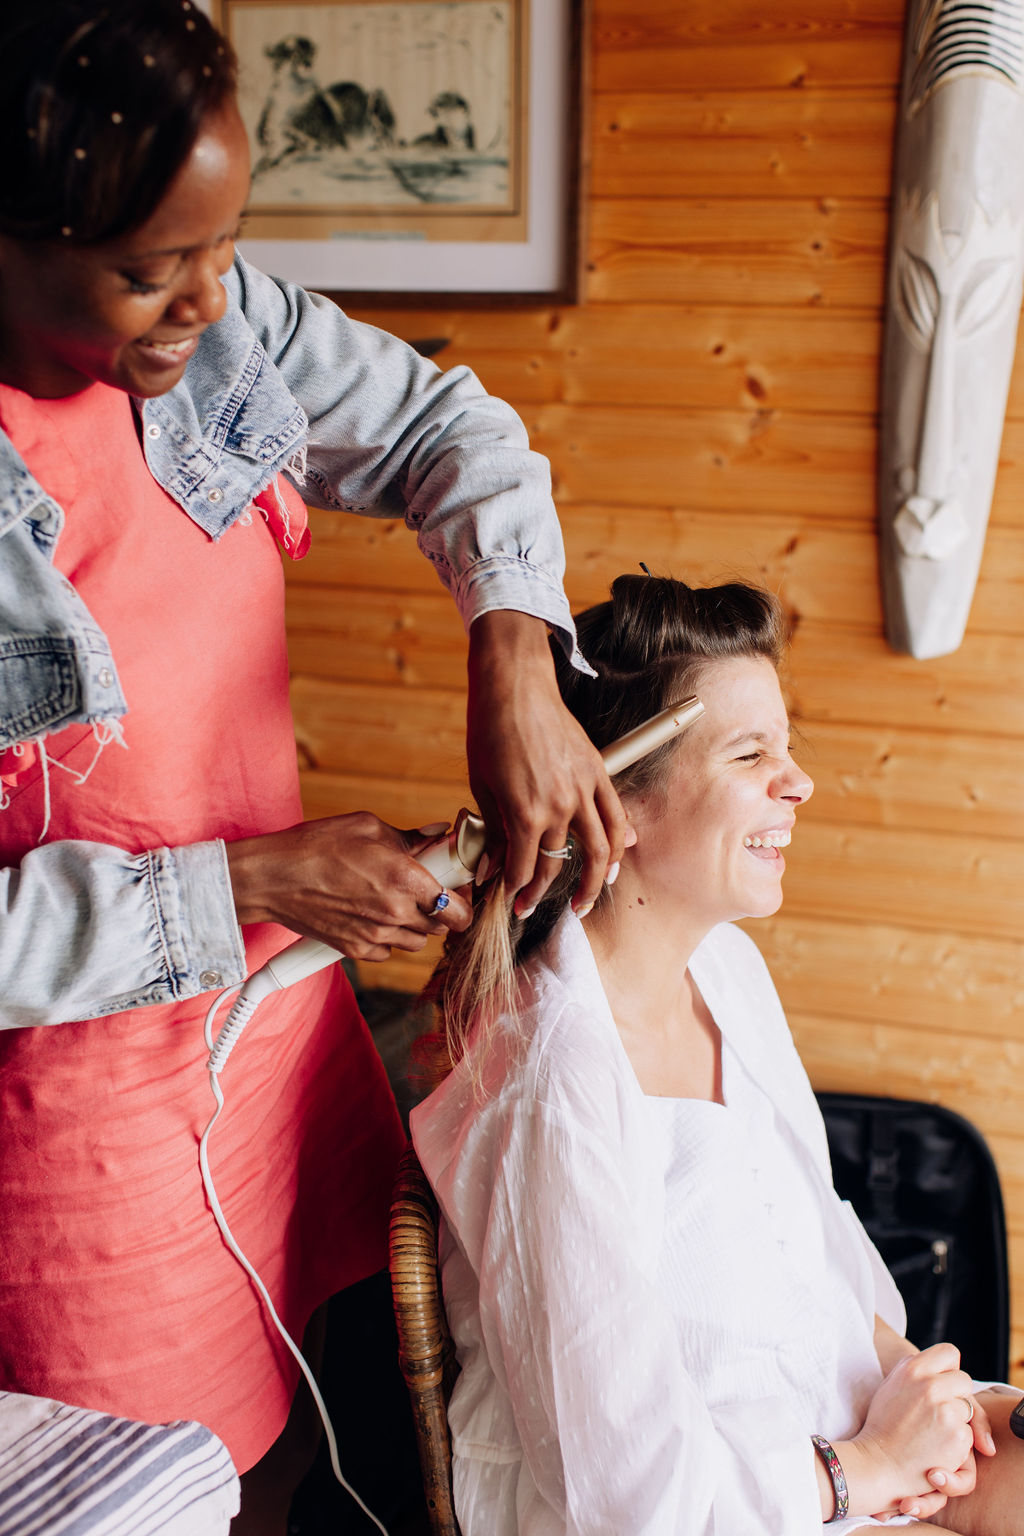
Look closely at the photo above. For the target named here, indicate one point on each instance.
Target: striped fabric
(72, 1472)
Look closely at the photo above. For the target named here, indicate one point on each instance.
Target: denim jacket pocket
(39, 686)
(49, 681)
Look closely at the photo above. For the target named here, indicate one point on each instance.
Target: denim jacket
(362, 423)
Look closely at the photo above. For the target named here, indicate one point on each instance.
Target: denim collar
(213, 442)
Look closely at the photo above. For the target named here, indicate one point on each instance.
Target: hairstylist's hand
(533, 772)
(350, 881)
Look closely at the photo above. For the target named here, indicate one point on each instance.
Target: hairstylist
(163, 406)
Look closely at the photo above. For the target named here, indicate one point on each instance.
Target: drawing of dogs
(299, 115)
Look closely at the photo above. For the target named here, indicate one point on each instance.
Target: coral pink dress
(116, 1290)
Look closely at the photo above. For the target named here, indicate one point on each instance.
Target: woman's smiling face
(128, 312)
(711, 840)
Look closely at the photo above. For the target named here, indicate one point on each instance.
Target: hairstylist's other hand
(917, 1425)
(534, 774)
(349, 881)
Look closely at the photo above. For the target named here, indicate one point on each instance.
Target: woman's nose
(795, 785)
(202, 298)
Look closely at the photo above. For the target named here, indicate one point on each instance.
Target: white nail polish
(434, 829)
(582, 912)
(529, 911)
(482, 869)
(612, 875)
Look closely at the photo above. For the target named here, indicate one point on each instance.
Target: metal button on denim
(104, 677)
(153, 430)
(215, 495)
(208, 979)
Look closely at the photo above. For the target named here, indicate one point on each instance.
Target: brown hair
(100, 103)
(648, 646)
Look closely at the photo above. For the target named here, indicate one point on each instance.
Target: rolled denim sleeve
(391, 435)
(88, 929)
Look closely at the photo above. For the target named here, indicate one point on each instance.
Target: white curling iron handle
(452, 861)
(303, 958)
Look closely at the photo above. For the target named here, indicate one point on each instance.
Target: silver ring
(970, 1405)
(558, 853)
(443, 900)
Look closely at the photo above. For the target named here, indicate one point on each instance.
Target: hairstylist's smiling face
(711, 842)
(128, 312)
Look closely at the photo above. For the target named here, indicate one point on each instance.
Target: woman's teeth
(768, 840)
(171, 348)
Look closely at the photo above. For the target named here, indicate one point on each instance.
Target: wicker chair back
(426, 1352)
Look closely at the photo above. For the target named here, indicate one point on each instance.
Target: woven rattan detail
(426, 1352)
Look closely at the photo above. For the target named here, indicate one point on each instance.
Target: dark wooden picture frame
(377, 182)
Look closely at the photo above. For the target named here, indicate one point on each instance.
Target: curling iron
(452, 860)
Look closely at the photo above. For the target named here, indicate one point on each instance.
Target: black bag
(922, 1180)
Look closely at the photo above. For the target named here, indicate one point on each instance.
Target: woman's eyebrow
(746, 735)
(752, 735)
(182, 250)
(167, 250)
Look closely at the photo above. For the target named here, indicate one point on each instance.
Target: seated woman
(666, 1320)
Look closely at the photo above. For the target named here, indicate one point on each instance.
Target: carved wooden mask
(956, 266)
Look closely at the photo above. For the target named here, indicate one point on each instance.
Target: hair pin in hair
(117, 117)
(148, 60)
(79, 153)
(644, 568)
(67, 231)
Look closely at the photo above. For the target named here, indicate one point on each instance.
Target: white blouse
(655, 1301)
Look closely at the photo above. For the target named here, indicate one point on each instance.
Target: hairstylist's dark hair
(648, 646)
(100, 103)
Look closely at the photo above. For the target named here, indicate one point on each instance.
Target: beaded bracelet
(837, 1477)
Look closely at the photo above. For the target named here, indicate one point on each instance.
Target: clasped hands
(917, 1447)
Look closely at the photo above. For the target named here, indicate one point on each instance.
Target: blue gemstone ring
(442, 901)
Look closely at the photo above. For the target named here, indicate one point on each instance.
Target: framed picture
(413, 150)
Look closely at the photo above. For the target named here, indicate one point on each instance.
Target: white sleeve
(888, 1303)
(614, 1433)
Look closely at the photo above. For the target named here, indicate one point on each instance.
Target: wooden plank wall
(710, 408)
